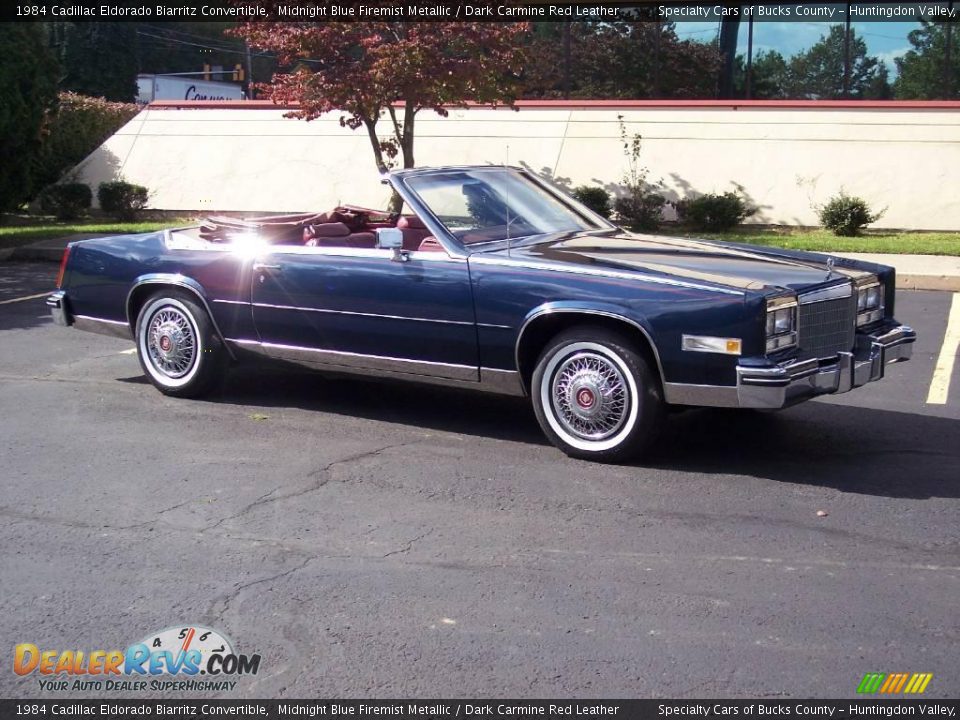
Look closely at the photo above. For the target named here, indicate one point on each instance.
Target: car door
(358, 308)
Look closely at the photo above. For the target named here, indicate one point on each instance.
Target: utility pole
(846, 55)
(246, 46)
(947, 59)
(749, 81)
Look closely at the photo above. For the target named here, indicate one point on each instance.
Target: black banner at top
(475, 709)
(470, 10)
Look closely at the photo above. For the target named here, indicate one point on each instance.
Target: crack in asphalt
(228, 598)
(409, 544)
(319, 473)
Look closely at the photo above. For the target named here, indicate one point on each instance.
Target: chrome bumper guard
(57, 303)
(784, 385)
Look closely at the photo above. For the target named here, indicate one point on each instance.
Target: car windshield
(486, 205)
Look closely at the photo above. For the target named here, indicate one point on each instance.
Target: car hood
(697, 260)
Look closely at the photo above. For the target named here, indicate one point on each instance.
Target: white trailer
(172, 87)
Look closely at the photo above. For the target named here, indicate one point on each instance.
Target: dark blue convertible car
(498, 281)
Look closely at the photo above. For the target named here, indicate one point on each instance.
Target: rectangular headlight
(781, 323)
(869, 302)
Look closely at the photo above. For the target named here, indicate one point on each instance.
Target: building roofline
(611, 104)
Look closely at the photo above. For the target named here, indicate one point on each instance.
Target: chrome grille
(827, 327)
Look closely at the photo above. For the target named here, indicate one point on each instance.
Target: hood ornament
(830, 263)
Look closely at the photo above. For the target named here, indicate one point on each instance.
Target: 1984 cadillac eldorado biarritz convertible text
(497, 281)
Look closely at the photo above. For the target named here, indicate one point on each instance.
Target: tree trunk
(371, 126)
(406, 142)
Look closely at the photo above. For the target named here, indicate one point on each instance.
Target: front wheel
(595, 395)
(177, 346)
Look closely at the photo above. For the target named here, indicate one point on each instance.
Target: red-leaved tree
(370, 71)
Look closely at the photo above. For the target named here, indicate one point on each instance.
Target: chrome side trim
(113, 328)
(834, 292)
(344, 359)
(480, 259)
(181, 281)
(502, 382)
(232, 302)
(372, 253)
(551, 308)
(491, 380)
(700, 395)
(361, 314)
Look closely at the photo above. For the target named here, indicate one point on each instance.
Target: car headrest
(410, 222)
(334, 229)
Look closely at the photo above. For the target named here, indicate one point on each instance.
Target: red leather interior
(344, 226)
(414, 231)
(430, 244)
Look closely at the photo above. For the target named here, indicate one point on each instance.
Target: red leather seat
(326, 234)
(430, 244)
(414, 231)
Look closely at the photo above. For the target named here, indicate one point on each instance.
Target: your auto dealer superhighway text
(767, 709)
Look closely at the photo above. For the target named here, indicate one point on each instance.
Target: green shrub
(640, 210)
(640, 207)
(67, 201)
(713, 212)
(121, 199)
(80, 125)
(595, 198)
(847, 216)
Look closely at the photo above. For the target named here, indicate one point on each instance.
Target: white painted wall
(786, 158)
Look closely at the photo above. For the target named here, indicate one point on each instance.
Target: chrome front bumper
(783, 385)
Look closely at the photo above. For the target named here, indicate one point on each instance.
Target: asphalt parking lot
(394, 541)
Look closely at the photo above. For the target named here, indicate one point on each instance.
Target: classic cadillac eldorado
(498, 281)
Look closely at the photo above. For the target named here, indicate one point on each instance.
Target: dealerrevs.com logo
(172, 659)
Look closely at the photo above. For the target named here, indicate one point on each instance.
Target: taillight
(63, 267)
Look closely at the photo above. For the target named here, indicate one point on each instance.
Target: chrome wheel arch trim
(179, 281)
(553, 308)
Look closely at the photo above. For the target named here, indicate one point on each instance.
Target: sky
(885, 40)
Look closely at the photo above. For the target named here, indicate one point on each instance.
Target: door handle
(264, 266)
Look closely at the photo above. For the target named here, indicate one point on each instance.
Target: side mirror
(389, 238)
(392, 239)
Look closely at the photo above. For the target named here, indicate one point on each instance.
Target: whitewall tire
(595, 395)
(177, 346)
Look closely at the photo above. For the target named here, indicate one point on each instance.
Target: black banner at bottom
(402, 709)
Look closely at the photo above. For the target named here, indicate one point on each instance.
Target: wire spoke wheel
(171, 342)
(590, 396)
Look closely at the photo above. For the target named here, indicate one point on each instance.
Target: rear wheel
(177, 345)
(595, 395)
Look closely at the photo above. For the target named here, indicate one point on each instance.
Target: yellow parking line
(940, 384)
(28, 297)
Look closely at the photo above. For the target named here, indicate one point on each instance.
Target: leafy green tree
(99, 59)
(770, 76)
(28, 93)
(921, 70)
(620, 59)
(818, 73)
